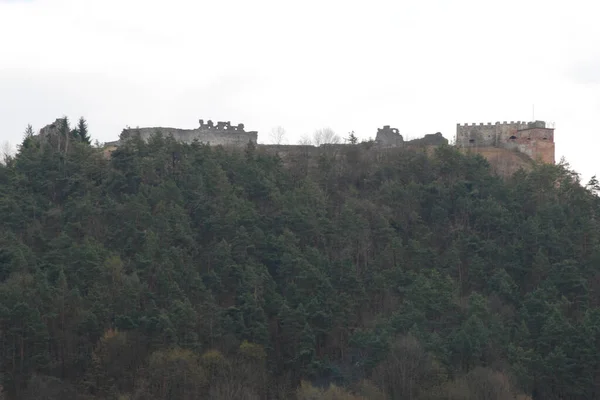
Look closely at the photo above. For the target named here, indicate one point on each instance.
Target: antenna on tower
(533, 112)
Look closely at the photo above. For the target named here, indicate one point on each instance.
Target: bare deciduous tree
(6, 152)
(321, 136)
(479, 384)
(407, 368)
(305, 140)
(277, 135)
(325, 135)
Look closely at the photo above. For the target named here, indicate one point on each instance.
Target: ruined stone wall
(531, 140)
(214, 138)
(431, 139)
(221, 134)
(389, 137)
(189, 135)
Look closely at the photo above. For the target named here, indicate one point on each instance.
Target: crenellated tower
(532, 138)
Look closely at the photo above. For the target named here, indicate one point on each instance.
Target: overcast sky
(421, 66)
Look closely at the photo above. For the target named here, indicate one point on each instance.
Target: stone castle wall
(507, 146)
(391, 137)
(503, 162)
(227, 135)
(531, 138)
(221, 134)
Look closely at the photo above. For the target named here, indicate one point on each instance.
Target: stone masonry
(391, 137)
(531, 138)
(508, 146)
(223, 133)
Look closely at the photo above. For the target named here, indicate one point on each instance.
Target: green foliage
(352, 139)
(82, 131)
(187, 271)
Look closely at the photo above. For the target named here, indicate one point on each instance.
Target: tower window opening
(512, 137)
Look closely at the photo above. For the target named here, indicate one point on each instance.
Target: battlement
(533, 138)
(536, 124)
(531, 124)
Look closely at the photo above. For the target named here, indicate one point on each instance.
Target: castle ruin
(507, 146)
(391, 137)
(223, 133)
(534, 139)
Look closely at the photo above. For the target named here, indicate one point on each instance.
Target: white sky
(421, 66)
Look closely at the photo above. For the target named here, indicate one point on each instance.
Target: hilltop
(183, 270)
(507, 146)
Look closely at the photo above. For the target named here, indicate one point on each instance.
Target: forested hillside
(178, 271)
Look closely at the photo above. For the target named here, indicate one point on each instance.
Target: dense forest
(174, 271)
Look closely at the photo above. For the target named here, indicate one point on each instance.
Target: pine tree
(352, 139)
(82, 131)
(29, 131)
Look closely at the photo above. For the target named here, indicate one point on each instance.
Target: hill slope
(504, 162)
(182, 271)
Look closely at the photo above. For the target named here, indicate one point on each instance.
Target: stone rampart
(221, 134)
(508, 145)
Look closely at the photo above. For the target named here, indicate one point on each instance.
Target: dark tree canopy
(81, 131)
(177, 271)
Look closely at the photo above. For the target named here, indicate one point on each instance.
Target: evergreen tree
(82, 131)
(352, 139)
(28, 132)
(188, 271)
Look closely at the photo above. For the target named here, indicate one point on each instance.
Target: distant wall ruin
(223, 133)
(391, 137)
(508, 146)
